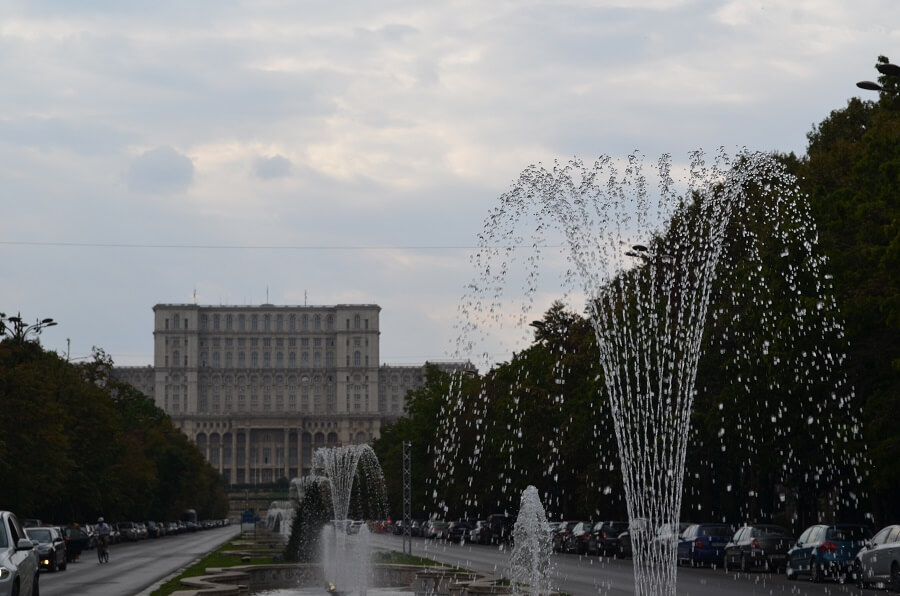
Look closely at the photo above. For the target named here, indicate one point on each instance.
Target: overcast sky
(348, 152)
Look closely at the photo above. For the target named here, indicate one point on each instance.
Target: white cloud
(391, 123)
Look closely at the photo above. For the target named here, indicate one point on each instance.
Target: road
(591, 576)
(133, 566)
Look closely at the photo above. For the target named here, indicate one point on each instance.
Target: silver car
(878, 562)
(18, 559)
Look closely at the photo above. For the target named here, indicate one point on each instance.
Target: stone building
(259, 388)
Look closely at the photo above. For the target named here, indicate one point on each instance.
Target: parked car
(604, 538)
(458, 531)
(436, 529)
(480, 532)
(561, 536)
(354, 527)
(18, 559)
(878, 561)
(826, 550)
(76, 541)
(637, 525)
(152, 529)
(704, 543)
(758, 545)
(128, 531)
(668, 534)
(50, 547)
(501, 525)
(578, 538)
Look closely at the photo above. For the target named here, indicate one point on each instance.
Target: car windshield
(716, 531)
(849, 533)
(4, 541)
(39, 535)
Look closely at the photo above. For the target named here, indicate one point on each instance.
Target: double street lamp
(888, 70)
(18, 330)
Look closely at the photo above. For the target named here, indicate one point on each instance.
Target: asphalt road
(133, 566)
(590, 576)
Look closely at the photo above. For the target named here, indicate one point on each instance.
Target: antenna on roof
(195, 295)
(304, 297)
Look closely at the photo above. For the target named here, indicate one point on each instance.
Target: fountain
(529, 565)
(646, 259)
(346, 557)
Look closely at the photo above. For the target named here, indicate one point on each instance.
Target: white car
(18, 559)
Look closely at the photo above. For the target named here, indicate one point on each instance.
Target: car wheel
(789, 572)
(816, 573)
(895, 577)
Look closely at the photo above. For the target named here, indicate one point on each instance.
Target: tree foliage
(77, 444)
(775, 431)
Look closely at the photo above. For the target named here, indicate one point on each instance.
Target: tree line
(76, 444)
(772, 439)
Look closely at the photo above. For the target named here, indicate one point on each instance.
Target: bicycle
(103, 549)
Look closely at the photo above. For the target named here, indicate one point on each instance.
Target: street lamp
(888, 70)
(18, 330)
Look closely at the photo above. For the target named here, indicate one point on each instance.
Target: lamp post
(18, 330)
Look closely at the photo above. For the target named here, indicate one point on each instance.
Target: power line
(230, 246)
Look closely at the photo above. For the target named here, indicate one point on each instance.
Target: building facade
(259, 388)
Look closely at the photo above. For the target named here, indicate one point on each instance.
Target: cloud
(276, 166)
(161, 170)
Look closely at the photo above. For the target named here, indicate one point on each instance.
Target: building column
(233, 462)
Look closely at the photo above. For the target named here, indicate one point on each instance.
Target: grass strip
(216, 558)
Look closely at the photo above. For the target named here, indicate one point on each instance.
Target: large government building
(259, 388)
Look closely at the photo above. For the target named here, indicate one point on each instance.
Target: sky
(302, 152)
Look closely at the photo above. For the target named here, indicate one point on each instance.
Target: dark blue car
(703, 544)
(826, 550)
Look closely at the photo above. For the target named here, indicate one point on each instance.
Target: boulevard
(591, 576)
(133, 566)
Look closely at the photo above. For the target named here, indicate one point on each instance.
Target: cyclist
(103, 530)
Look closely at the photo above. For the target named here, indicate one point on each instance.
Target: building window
(254, 323)
(279, 323)
(176, 322)
(216, 322)
(267, 322)
(329, 322)
(228, 322)
(317, 321)
(241, 322)
(254, 359)
(356, 319)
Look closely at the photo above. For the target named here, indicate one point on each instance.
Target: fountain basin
(289, 579)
